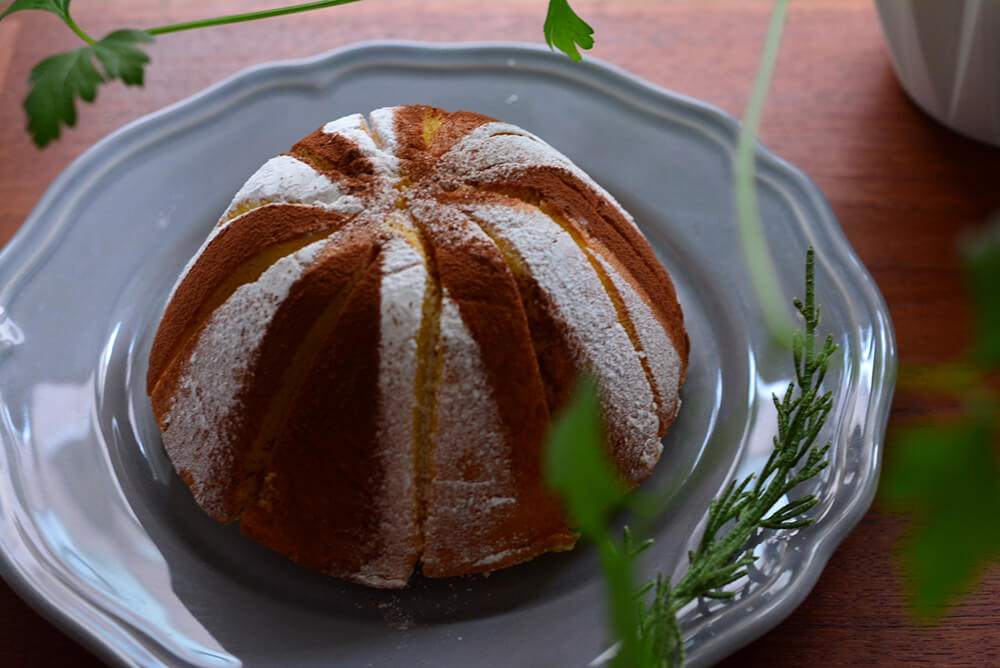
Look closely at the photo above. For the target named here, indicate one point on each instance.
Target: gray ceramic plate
(99, 534)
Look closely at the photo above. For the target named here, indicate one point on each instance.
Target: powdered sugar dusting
(491, 560)
(404, 283)
(288, 179)
(355, 129)
(500, 152)
(283, 179)
(345, 124)
(596, 337)
(661, 356)
(378, 581)
(471, 459)
(383, 124)
(206, 412)
(216, 231)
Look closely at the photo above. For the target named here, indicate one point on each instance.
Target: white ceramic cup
(946, 54)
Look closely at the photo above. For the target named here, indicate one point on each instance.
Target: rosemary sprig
(650, 632)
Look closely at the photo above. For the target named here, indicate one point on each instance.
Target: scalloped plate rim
(40, 231)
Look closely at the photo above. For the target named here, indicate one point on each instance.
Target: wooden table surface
(902, 187)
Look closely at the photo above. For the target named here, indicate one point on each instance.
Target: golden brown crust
(333, 155)
(320, 499)
(558, 366)
(275, 373)
(288, 351)
(599, 220)
(422, 130)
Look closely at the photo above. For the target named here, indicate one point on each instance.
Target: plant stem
(72, 24)
(620, 585)
(250, 16)
(762, 273)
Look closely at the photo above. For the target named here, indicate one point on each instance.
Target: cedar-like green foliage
(645, 620)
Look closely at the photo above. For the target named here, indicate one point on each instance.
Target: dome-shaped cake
(362, 360)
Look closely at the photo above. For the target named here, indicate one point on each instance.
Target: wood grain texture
(903, 188)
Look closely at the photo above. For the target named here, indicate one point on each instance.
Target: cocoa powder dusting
(369, 469)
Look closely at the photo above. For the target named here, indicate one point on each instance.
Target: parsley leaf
(121, 58)
(564, 30)
(55, 82)
(59, 80)
(58, 7)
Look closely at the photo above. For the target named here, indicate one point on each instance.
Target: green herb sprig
(646, 621)
(59, 81)
(748, 506)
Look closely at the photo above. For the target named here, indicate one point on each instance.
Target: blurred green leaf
(579, 469)
(946, 476)
(981, 253)
(581, 472)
